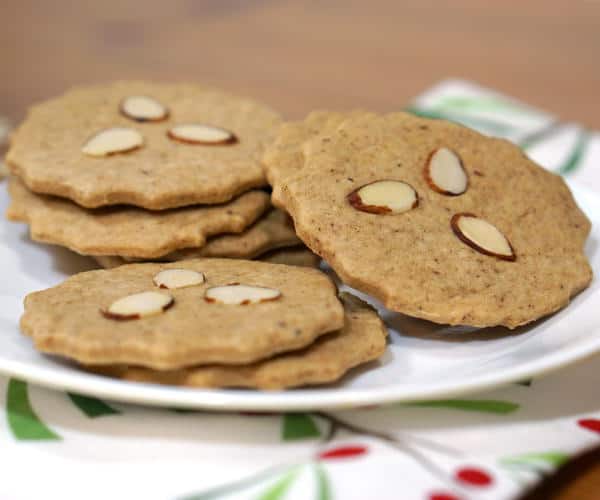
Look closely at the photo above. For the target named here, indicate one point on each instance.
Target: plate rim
(290, 400)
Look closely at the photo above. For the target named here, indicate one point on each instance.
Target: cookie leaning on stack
(437, 221)
(142, 171)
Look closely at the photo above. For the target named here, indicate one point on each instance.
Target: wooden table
(300, 55)
(312, 54)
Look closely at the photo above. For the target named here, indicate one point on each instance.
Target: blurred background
(305, 54)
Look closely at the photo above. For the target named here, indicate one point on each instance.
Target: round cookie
(283, 158)
(419, 261)
(274, 230)
(158, 163)
(129, 231)
(362, 339)
(242, 312)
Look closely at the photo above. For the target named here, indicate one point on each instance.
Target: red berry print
(442, 496)
(591, 424)
(473, 476)
(343, 452)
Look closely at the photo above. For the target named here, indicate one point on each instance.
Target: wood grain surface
(301, 55)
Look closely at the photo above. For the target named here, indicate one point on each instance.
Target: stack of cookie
(206, 323)
(138, 171)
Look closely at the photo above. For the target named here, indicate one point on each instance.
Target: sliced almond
(178, 278)
(112, 141)
(482, 236)
(142, 108)
(240, 294)
(384, 197)
(197, 133)
(139, 305)
(445, 173)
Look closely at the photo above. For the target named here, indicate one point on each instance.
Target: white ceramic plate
(424, 360)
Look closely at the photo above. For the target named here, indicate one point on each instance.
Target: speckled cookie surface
(46, 150)
(67, 319)
(362, 339)
(274, 230)
(129, 231)
(413, 261)
(283, 158)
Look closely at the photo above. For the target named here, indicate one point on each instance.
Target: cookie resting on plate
(362, 339)
(438, 221)
(168, 316)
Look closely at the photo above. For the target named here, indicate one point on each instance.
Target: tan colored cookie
(296, 256)
(413, 261)
(46, 150)
(362, 339)
(109, 261)
(283, 158)
(71, 319)
(275, 230)
(129, 231)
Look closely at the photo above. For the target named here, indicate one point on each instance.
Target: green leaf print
(22, 420)
(475, 405)
(323, 487)
(553, 458)
(576, 155)
(481, 103)
(297, 426)
(92, 407)
(230, 488)
(280, 488)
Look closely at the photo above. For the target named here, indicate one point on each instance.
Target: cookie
(152, 145)
(362, 339)
(129, 231)
(274, 230)
(438, 221)
(168, 316)
(283, 158)
(296, 256)
(109, 261)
